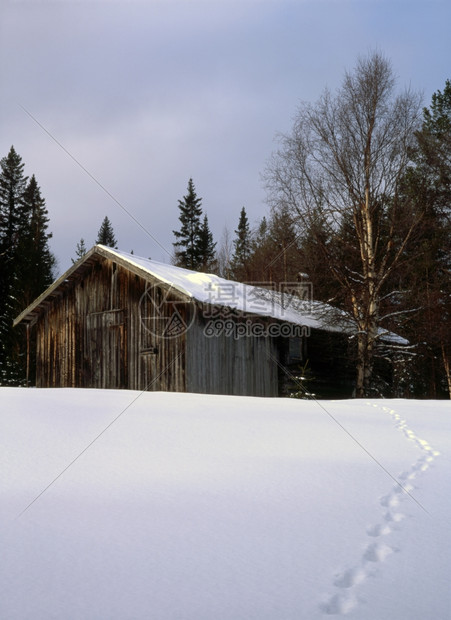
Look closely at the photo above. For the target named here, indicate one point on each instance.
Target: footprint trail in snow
(345, 599)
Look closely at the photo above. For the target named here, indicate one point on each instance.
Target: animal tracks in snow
(377, 552)
(378, 530)
(345, 599)
(350, 578)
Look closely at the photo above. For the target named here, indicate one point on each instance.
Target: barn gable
(88, 332)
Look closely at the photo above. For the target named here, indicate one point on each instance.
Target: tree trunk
(446, 365)
(361, 365)
(368, 308)
(366, 339)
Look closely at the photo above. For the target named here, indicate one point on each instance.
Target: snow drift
(126, 505)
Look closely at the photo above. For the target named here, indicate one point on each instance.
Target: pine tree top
(105, 235)
(189, 237)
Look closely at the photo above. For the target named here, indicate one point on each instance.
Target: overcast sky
(145, 95)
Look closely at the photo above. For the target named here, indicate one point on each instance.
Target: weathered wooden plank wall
(223, 364)
(93, 336)
(111, 328)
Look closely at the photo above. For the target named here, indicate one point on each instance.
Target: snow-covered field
(194, 507)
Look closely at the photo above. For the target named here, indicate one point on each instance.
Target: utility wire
(93, 178)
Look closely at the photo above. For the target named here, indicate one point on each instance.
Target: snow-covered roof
(286, 305)
(208, 288)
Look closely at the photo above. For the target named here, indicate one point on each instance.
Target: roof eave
(28, 314)
(31, 313)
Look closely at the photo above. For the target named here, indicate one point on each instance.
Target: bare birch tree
(343, 163)
(224, 254)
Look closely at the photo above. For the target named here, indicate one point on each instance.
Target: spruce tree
(35, 261)
(105, 236)
(35, 266)
(188, 246)
(242, 248)
(26, 263)
(12, 187)
(12, 219)
(261, 236)
(261, 253)
(207, 248)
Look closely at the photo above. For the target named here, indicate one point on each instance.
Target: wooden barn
(114, 320)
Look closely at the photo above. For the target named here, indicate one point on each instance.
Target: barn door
(106, 349)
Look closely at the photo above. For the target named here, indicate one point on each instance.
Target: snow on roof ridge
(245, 297)
(138, 262)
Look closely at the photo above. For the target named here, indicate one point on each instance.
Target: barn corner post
(27, 376)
